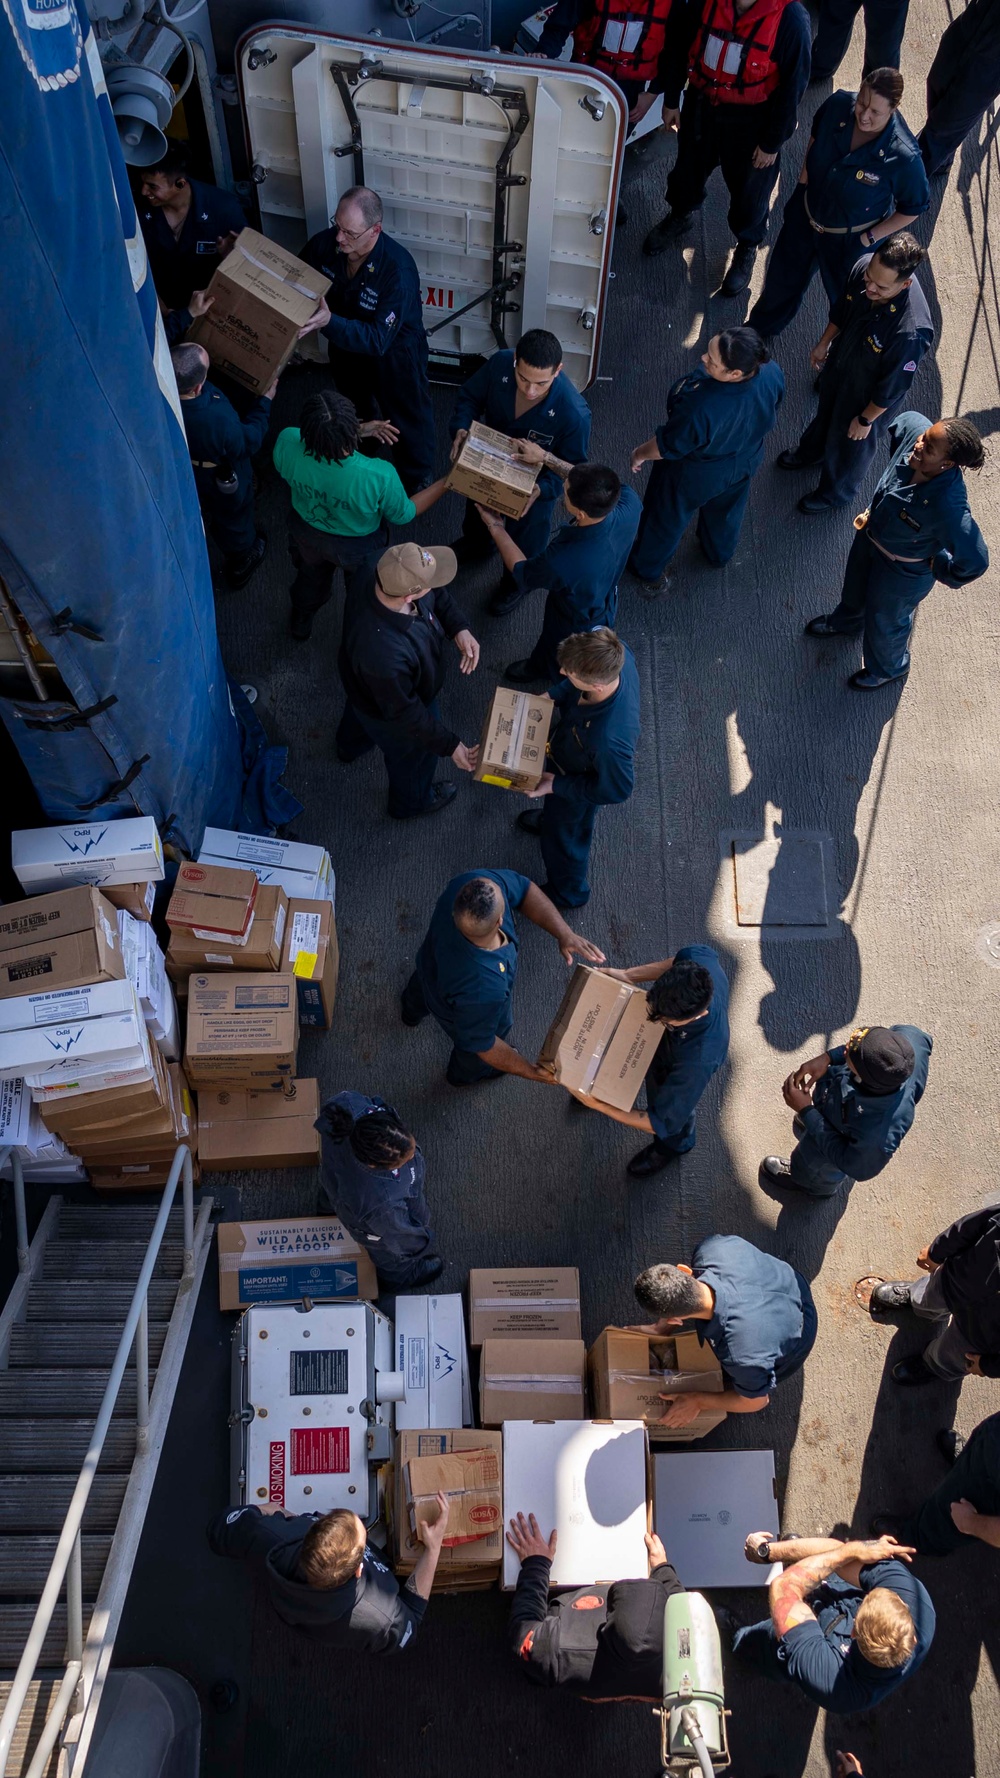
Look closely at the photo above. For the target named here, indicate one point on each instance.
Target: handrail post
(20, 1211)
(142, 1380)
(74, 1602)
(187, 1198)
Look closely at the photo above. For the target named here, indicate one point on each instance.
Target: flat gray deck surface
(747, 729)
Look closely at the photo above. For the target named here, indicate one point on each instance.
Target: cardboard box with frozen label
(705, 1504)
(242, 1030)
(587, 1480)
(487, 470)
(431, 1354)
(313, 956)
(472, 1566)
(532, 1380)
(261, 296)
(602, 1039)
(242, 1128)
(64, 940)
(301, 870)
(514, 738)
(524, 1302)
(72, 1030)
(629, 1371)
(127, 851)
(286, 1259)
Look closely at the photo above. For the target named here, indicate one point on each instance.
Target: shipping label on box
(312, 955)
(630, 1372)
(303, 871)
(241, 1025)
(262, 295)
(602, 1040)
(94, 852)
(514, 738)
(60, 1005)
(486, 470)
(586, 1479)
(532, 1380)
(284, 1260)
(522, 1302)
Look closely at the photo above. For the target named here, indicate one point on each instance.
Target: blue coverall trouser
(797, 253)
(566, 834)
(411, 770)
(717, 489)
(880, 598)
(465, 1067)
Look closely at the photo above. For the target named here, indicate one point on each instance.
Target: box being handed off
(602, 1039)
(514, 738)
(630, 1371)
(261, 295)
(487, 470)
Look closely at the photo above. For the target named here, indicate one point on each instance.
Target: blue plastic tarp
(99, 516)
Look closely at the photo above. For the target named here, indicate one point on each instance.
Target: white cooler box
(309, 1428)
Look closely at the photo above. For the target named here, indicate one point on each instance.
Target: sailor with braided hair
(373, 1179)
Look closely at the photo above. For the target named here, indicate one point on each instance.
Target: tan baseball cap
(406, 568)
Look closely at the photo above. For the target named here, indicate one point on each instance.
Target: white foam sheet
(587, 1480)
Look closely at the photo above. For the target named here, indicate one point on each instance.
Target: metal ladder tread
(34, 1343)
(95, 1300)
(41, 1502)
(82, 1222)
(41, 1695)
(107, 1259)
(25, 1562)
(15, 1626)
(61, 1391)
(32, 1446)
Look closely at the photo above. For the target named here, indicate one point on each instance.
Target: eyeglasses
(345, 233)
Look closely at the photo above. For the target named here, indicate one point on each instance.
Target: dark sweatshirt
(604, 1641)
(367, 1612)
(969, 1256)
(392, 663)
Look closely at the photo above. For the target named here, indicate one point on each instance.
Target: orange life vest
(732, 57)
(623, 38)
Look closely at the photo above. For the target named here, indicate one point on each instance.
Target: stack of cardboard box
(301, 870)
(472, 1565)
(631, 1371)
(533, 1361)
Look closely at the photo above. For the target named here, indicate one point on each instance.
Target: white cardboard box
(585, 1479)
(706, 1503)
(302, 871)
(79, 1047)
(432, 1355)
(61, 1006)
(127, 851)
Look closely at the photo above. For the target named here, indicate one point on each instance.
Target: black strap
(64, 620)
(74, 718)
(114, 790)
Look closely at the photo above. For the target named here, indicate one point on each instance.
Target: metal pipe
(20, 1210)
(142, 1381)
(85, 1481)
(187, 1199)
(54, 1720)
(74, 1602)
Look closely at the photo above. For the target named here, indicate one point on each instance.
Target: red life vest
(732, 57)
(623, 38)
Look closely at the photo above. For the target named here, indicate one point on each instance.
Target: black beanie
(883, 1059)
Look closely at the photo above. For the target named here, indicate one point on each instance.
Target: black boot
(737, 279)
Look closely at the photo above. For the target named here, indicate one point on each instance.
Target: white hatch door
(499, 174)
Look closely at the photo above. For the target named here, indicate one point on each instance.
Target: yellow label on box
(490, 778)
(185, 1102)
(305, 963)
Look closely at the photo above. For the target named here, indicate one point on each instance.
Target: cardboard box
(261, 949)
(532, 1380)
(242, 1030)
(138, 1176)
(282, 1261)
(602, 1039)
(471, 1480)
(130, 1099)
(587, 1479)
(239, 1128)
(514, 738)
(432, 1355)
(92, 1086)
(80, 1032)
(127, 851)
(136, 899)
(302, 871)
(521, 1302)
(75, 943)
(58, 1006)
(705, 1505)
(262, 296)
(312, 954)
(153, 1136)
(213, 899)
(486, 470)
(465, 1566)
(629, 1371)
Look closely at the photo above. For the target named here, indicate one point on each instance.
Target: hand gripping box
(602, 1039)
(262, 296)
(487, 470)
(242, 1030)
(477, 1563)
(524, 1302)
(286, 1259)
(471, 1482)
(587, 1480)
(630, 1371)
(127, 851)
(532, 1380)
(514, 738)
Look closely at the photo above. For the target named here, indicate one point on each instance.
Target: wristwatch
(860, 418)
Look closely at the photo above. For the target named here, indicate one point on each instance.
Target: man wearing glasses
(378, 347)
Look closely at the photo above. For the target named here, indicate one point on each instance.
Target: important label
(318, 1373)
(321, 1450)
(290, 1284)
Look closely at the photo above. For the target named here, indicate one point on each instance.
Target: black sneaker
(648, 1161)
(425, 1273)
(821, 626)
(668, 230)
(890, 1297)
(792, 460)
(913, 1373)
(300, 625)
(530, 821)
(441, 796)
(951, 1444)
(737, 279)
(240, 568)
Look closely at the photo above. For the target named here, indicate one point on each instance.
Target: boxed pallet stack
(472, 1565)
(300, 870)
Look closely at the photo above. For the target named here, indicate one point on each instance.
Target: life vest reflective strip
(623, 38)
(732, 58)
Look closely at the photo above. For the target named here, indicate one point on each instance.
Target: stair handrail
(20, 1211)
(69, 1547)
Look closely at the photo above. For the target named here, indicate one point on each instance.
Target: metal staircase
(91, 1344)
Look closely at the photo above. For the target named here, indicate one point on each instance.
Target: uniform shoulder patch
(911, 365)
